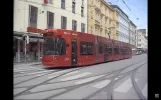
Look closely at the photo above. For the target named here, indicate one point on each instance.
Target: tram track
(136, 88)
(108, 73)
(99, 79)
(79, 84)
(113, 81)
(42, 83)
(35, 77)
(45, 81)
(32, 73)
(133, 83)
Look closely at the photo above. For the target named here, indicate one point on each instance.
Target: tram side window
(122, 51)
(83, 48)
(126, 51)
(89, 49)
(100, 48)
(106, 48)
(109, 49)
(86, 48)
(62, 47)
(115, 50)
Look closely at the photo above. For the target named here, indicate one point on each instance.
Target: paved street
(124, 79)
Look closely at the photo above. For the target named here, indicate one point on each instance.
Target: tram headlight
(55, 58)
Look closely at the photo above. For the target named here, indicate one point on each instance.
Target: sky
(136, 10)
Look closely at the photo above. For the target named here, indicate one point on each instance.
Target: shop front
(33, 49)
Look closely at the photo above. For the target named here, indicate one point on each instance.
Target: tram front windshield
(54, 46)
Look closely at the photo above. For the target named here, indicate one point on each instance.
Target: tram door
(74, 53)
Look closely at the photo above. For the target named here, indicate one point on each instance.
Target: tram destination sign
(48, 34)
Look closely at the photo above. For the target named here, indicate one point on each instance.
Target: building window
(33, 11)
(91, 17)
(110, 22)
(100, 31)
(73, 7)
(82, 11)
(63, 22)
(50, 20)
(63, 4)
(106, 32)
(82, 2)
(105, 20)
(82, 27)
(74, 25)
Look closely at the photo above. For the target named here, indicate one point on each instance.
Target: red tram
(64, 48)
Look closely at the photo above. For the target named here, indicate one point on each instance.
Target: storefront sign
(35, 30)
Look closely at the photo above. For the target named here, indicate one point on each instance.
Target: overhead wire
(138, 9)
(130, 10)
(135, 6)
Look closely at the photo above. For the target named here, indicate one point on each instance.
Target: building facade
(45, 14)
(143, 31)
(132, 34)
(123, 25)
(141, 40)
(102, 19)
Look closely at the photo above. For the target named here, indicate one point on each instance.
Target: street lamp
(110, 31)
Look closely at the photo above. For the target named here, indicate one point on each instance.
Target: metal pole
(25, 51)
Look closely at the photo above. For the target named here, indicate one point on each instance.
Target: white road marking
(28, 67)
(55, 73)
(40, 74)
(125, 86)
(136, 79)
(144, 91)
(33, 73)
(102, 84)
(76, 76)
(17, 70)
(71, 73)
(116, 78)
(88, 79)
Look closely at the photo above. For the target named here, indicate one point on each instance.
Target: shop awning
(36, 40)
(17, 37)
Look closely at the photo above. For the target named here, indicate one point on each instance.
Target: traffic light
(25, 38)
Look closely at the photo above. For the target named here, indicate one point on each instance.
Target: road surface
(123, 79)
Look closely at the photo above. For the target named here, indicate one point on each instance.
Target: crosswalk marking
(88, 79)
(76, 76)
(144, 91)
(71, 73)
(125, 86)
(102, 84)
